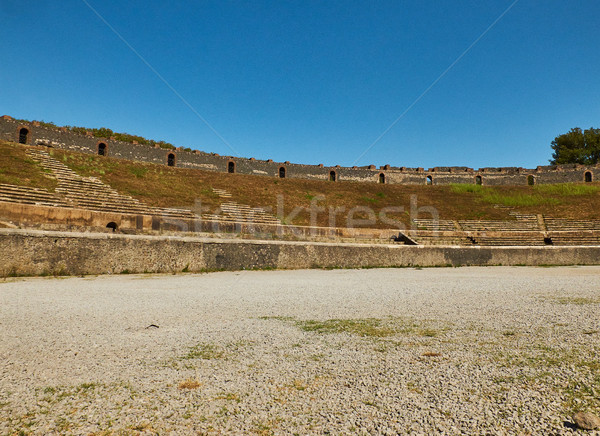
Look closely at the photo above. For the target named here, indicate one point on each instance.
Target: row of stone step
(239, 219)
(560, 224)
(528, 224)
(245, 212)
(507, 240)
(222, 193)
(499, 226)
(575, 238)
(28, 195)
(435, 225)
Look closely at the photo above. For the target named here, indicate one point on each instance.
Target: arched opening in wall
(429, 180)
(102, 149)
(231, 167)
(112, 225)
(382, 178)
(282, 172)
(23, 135)
(171, 160)
(530, 180)
(332, 176)
(478, 180)
(587, 176)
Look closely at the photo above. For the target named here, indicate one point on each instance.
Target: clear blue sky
(312, 81)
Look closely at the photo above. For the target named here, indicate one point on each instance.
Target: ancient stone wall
(61, 218)
(37, 253)
(61, 138)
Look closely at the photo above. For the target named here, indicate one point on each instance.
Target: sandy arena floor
(503, 350)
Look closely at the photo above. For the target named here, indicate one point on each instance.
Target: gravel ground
(502, 350)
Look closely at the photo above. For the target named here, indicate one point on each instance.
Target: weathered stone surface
(55, 137)
(586, 420)
(30, 252)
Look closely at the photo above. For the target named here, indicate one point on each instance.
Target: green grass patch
(567, 189)
(517, 199)
(369, 199)
(205, 351)
(512, 199)
(364, 327)
(463, 188)
(139, 172)
(361, 327)
(208, 351)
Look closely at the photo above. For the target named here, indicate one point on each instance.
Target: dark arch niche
(429, 180)
(171, 159)
(382, 178)
(112, 225)
(530, 180)
(231, 167)
(23, 135)
(102, 149)
(332, 176)
(478, 180)
(282, 172)
(587, 176)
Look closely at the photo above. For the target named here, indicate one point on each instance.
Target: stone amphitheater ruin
(124, 233)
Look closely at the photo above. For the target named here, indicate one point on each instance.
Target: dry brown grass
(16, 168)
(431, 354)
(190, 384)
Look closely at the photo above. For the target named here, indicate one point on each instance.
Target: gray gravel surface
(502, 350)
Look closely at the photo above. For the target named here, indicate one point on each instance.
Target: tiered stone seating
(435, 225)
(509, 239)
(521, 225)
(239, 213)
(423, 237)
(222, 193)
(575, 238)
(27, 195)
(566, 225)
(92, 194)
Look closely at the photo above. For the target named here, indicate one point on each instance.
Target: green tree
(577, 146)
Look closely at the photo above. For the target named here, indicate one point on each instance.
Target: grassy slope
(159, 185)
(16, 168)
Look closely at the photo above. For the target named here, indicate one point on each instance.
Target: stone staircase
(92, 194)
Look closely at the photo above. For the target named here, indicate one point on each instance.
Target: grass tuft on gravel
(361, 327)
(205, 351)
(577, 393)
(365, 327)
(190, 383)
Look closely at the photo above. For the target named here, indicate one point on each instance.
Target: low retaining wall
(40, 253)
